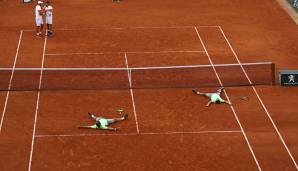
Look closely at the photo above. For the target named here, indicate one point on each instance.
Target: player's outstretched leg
(114, 120)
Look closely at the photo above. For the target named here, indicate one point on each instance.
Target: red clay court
(146, 56)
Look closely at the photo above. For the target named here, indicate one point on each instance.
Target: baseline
(123, 28)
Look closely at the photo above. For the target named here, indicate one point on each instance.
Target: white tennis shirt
(37, 9)
(49, 11)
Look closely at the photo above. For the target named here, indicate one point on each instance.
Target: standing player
(102, 123)
(49, 17)
(38, 18)
(214, 97)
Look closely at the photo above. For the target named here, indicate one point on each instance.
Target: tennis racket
(120, 111)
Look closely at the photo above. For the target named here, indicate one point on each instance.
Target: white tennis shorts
(49, 20)
(38, 21)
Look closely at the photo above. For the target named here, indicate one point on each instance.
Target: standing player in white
(38, 18)
(49, 17)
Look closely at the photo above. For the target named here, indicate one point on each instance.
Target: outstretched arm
(93, 127)
(113, 129)
(86, 127)
(198, 93)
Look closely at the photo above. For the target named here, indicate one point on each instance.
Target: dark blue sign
(288, 77)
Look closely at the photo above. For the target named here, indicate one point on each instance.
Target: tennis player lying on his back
(102, 123)
(214, 97)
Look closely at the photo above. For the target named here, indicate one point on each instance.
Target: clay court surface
(168, 128)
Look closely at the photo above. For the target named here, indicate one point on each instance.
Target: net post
(272, 73)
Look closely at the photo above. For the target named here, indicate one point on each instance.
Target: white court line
(231, 106)
(120, 52)
(131, 93)
(129, 134)
(124, 28)
(259, 98)
(37, 105)
(10, 81)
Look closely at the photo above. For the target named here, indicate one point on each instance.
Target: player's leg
(37, 30)
(114, 120)
(49, 31)
(88, 127)
(49, 21)
(50, 28)
(209, 103)
(38, 26)
(41, 25)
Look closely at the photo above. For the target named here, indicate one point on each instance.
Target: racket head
(120, 110)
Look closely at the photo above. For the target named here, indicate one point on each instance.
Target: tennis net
(28, 79)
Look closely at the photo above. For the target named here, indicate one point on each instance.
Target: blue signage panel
(288, 77)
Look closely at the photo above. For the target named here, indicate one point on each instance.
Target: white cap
(39, 2)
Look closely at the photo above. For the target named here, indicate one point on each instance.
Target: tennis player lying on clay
(103, 123)
(214, 97)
